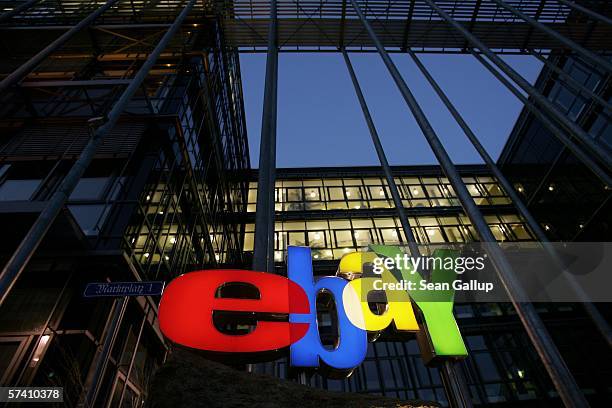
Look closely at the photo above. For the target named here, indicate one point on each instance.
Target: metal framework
(100, 55)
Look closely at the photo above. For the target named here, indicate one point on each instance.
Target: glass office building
(550, 177)
(339, 210)
(167, 188)
(150, 206)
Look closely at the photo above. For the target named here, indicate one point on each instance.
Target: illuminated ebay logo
(189, 302)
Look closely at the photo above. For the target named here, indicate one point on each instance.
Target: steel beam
(554, 129)
(263, 251)
(134, 352)
(586, 54)
(83, 83)
(456, 389)
(599, 321)
(586, 11)
(567, 78)
(102, 358)
(598, 152)
(551, 358)
(17, 75)
(382, 157)
(17, 10)
(35, 235)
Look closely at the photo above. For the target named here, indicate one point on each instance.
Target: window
(89, 217)
(91, 188)
(15, 190)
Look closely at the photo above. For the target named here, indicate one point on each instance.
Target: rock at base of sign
(188, 380)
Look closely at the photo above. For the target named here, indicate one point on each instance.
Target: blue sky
(320, 122)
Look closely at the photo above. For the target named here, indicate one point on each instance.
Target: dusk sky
(320, 122)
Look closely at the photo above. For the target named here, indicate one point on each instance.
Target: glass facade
(152, 204)
(336, 215)
(551, 179)
(170, 191)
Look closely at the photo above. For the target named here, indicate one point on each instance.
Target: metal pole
(567, 78)
(604, 156)
(554, 129)
(551, 358)
(586, 54)
(457, 390)
(102, 360)
(33, 62)
(22, 7)
(263, 255)
(599, 321)
(35, 235)
(586, 11)
(134, 351)
(380, 152)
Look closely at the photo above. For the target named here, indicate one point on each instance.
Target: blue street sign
(99, 289)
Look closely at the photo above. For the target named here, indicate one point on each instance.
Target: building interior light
(148, 197)
(415, 191)
(313, 194)
(356, 235)
(316, 256)
(431, 232)
(173, 240)
(348, 193)
(39, 349)
(317, 235)
(381, 192)
(217, 257)
(520, 373)
(161, 213)
(166, 257)
(146, 254)
(551, 188)
(547, 228)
